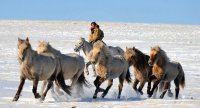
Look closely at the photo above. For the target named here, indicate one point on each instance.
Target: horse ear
(27, 39)
(133, 48)
(126, 48)
(19, 40)
(47, 43)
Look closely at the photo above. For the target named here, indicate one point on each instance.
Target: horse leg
(50, 83)
(110, 83)
(75, 78)
(135, 83)
(142, 83)
(86, 67)
(44, 84)
(148, 87)
(20, 87)
(155, 85)
(166, 86)
(176, 82)
(120, 86)
(94, 71)
(98, 83)
(34, 90)
(60, 81)
(169, 92)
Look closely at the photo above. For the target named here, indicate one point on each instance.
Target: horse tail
(60, 81)
(128, 76)
(82, 81)
(182, 82)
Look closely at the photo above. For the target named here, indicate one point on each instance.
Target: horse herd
(49, 65)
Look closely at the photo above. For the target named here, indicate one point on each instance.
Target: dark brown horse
(142, 70)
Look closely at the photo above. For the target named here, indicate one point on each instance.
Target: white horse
(72, 65)
(87, 47)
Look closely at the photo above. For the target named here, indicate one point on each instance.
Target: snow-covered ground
(181, 42)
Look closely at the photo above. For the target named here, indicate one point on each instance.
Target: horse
(165, 71)
(87, 47)
(72, 65)
(37, 67)
(142, 70)
(108, 67)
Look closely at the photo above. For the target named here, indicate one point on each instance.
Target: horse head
(157, 56)
(42, 47)
(153, 56)
(79, 44)
(130, 55)
(23, 45)
(98, 52)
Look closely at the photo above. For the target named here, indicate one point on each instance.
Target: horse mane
(99, 44)
(55, 51)
(50, 48)
(162, 56)
(141, 59)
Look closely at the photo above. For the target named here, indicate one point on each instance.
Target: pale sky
(136, 11)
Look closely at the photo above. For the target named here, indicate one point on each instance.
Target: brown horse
(165, 71)
(108, 67)
(37, 67)
(142, 70)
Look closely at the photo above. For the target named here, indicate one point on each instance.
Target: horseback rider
(96, 33)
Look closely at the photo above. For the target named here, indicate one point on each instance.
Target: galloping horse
(87, 47)
(165, 71)
(72, 65)
(142, 70)
(36, 67)
(108, 67)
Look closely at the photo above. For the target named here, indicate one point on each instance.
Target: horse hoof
(37, 95)
(170, 94)
(15, 98)
(141, 93)
(42, 99)
(161, 97)
(103, 95)
(149, 96)
(118, 97)
(94, 97)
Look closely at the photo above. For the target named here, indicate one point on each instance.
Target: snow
(181, 42)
